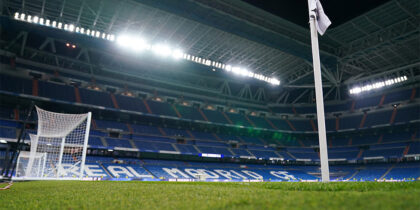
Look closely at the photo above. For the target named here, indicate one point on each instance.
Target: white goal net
(58, 150)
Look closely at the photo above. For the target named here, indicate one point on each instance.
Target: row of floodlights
(377, 85)
(137, 45)
(60, 25)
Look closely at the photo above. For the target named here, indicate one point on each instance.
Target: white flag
(322, 21)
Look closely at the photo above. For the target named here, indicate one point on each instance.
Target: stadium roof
(381, 41)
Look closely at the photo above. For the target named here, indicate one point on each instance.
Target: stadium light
(71, 27)
(162, 50)
(236, 70)
(137, 44)
(377, 85)
(35, 19)
(177, 54)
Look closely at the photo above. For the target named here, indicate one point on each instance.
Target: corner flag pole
(325, 173)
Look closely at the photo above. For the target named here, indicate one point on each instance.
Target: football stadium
(209, 104)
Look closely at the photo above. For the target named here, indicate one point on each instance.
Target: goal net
(58, 150)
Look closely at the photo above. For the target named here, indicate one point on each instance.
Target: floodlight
(97, 34)
(177, 54)
(243, 72)
(41, 21)
(59, 25)
(236, 70)
(103, 35)
(77, 30)
(275, 81)
(22, 16)
(162, 50)
(35, 19)
(54, 24)
(16, 15)
(71, 27)
(250, 74)
(123, 40)
(139, 45)
(112, 37)
(47, 22)
(66, 27)
(29, 18)
(82, 30)
(88, 32)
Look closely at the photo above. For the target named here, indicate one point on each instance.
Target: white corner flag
(322, 21)
(318, 21)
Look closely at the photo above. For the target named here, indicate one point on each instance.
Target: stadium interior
(235, 102)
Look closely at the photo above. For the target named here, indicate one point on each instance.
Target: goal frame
(59, 168)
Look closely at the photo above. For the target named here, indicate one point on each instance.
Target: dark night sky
(296, 11)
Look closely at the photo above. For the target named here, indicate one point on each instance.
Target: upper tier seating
(407, 114)
(378, 118)
(302, 125)
(215, 116)
(161, 108)
(238, 119)
(400, 95)
(352, 122)
(368, 102)
(260, 122)
(189, 112)
(56, 91)
(94, 97)
(131, 103)
(15, 84)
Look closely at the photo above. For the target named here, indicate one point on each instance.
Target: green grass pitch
(199, 195)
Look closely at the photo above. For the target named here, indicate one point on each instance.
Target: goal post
(62, 139)
(38, 159)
